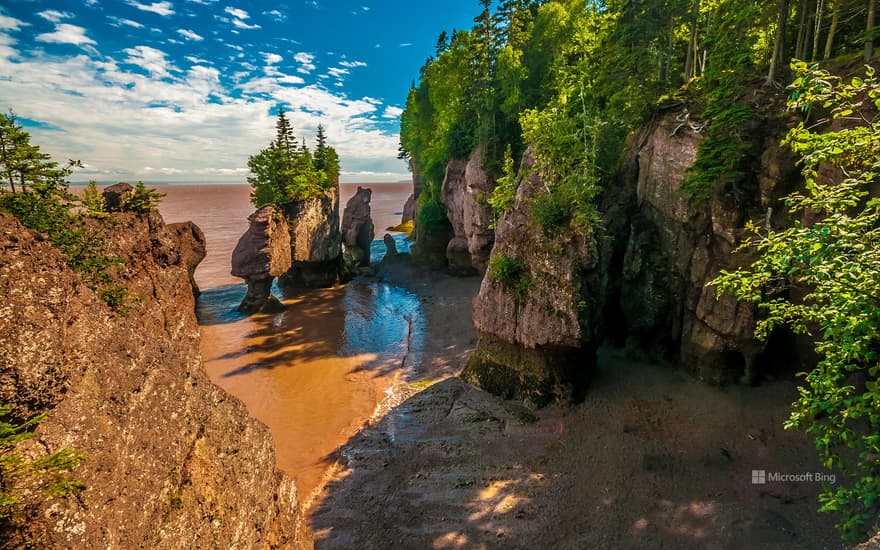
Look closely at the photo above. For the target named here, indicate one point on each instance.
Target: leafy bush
(93, 201)
(432, 214)
(551, 212)
(835, 259)
(23, 480)
(511, 274)
(503, 196)
(142, 199)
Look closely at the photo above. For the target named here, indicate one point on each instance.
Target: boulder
(390, 245)
(315, 241)
(262, 254)
(357, 228)
(115, 196)
(192, 246)
(539, 318)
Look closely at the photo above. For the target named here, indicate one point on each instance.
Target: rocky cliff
(171, 460)
(357, 228)
(539, 307)
(315, 241)
(643, 281)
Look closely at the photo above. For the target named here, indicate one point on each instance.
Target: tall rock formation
(262, 254)
(538, 311)
(315, 241)
(193, 248)
(674, 248)
(357, 228)
(465, 193)
(171, 461)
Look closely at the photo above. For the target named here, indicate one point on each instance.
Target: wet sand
(316, 372)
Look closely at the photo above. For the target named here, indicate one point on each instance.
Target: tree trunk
(778, 44)
(869, 33)
(817, 31)
(829, 43)
(690, 60)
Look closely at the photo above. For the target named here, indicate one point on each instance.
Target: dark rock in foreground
(315, 242)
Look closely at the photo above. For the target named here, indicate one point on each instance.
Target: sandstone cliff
(171, 460)
(642, 282)
(538, 333)
(315, 241)
(357, 228)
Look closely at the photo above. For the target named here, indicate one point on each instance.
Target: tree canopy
(287, 170)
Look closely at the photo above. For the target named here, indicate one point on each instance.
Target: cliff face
(260, 255)
(675, 248)
(171, 460)
(643, 281)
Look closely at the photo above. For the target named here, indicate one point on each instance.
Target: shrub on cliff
(25, 481)
(833, 256)
(287, 171)
(37, 195)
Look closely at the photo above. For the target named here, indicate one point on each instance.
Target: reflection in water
(314, 373)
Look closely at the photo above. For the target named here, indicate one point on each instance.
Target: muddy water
(321, 369)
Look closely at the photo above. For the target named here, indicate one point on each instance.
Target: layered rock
(675, 248)
(115, 196)
(540, 326)
(315, 241)
(171, 461)
(357, 228)
(262, 254)
(465, 193)
(192, 246)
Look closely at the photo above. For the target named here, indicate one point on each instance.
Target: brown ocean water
(318, 371)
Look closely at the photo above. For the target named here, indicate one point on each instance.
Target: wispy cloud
(8, 23)
(190, 35)
(272, 58)
(66, 34)
(150, 59)
(352, 64)
(276, 15)
(163, 8)
(55, 16)
(119, 21)
(306, 62)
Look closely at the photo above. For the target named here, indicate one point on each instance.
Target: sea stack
(357, 229)
(262, 254)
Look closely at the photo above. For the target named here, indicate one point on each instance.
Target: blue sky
(185, 90)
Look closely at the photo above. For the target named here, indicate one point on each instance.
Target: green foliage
(552, 212)
(511, 274)
(93, 201)
(39, 199)
(25, 481)
(834, 260)
(287, 171)
(142, 199)
(432, 214)
(504, 195)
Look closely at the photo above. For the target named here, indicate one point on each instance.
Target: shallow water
(318, 371)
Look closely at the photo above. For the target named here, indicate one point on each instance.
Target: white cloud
(183, 124)
(149, 59)
(55, 16)
(338, 72)
(352, 64)
(236, 13)
(392, 112)
(276, 15)
(66, 34)
(91, 3)
(272, 58)
(406, 44)
(306, 62)
(163, 8)
(242, 25)
(189, 35)
(119, 21)
(8, 23)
